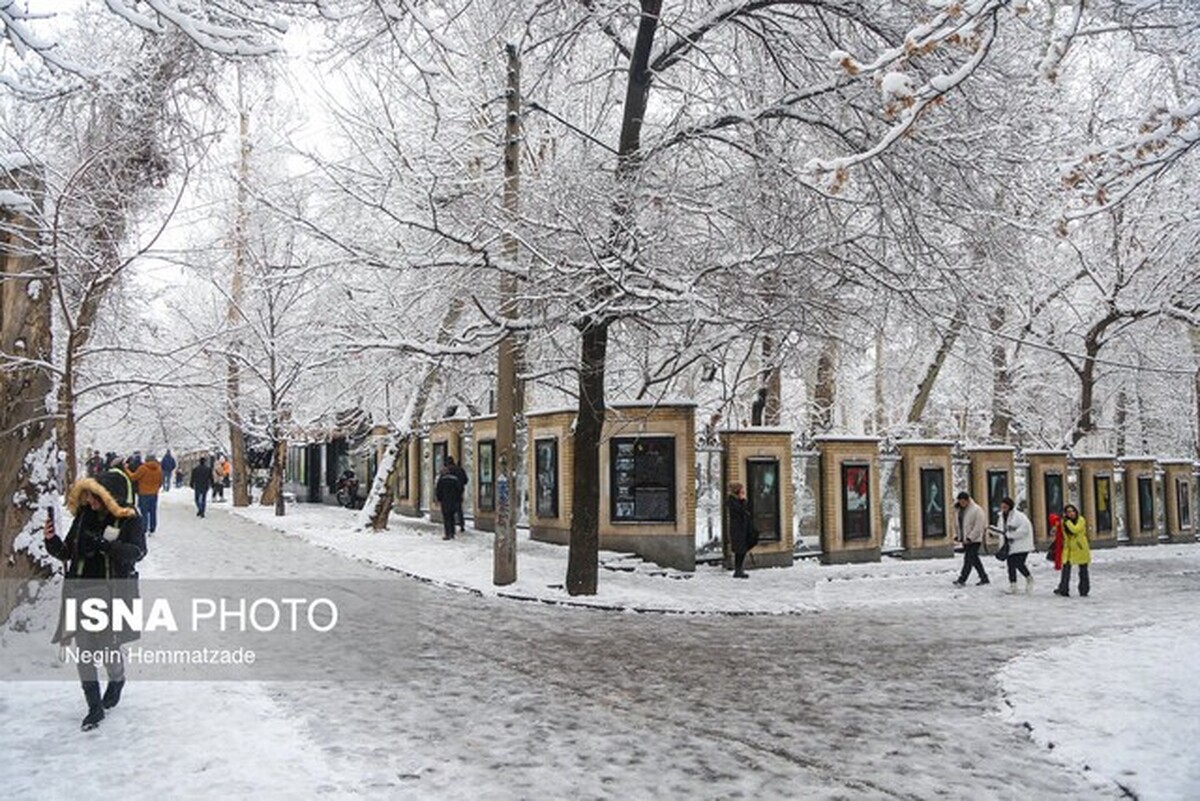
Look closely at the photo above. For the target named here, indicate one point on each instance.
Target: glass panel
(642, 473)
(763, 494)
(1104, 512)
(1145, 486)
(997, 490)
(856, 501)
(545, 456)
(1183, 499)
(933, 503)
(487, 476)
(1053, 484)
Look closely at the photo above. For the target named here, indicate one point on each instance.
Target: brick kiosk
(1141, 526)
(926, 498)
(1177, 489)
(1097, 492)
(483, 473)
(761, 460)
(851, 517)
(445, 439)
(647, 480)
(1047, 492)
(992, 478)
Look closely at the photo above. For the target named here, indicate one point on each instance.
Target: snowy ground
(880, 681)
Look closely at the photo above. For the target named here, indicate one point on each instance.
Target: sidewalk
(415, 548)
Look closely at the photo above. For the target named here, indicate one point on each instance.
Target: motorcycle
(347, 490)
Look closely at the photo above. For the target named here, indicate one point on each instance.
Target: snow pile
(1126, 706)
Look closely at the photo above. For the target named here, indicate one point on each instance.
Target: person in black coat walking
(100, 563)
(461, 475)
(201, 482)
(168, 469)
(742, 536)
(449, 493)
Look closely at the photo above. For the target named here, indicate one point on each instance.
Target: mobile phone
(53, 520)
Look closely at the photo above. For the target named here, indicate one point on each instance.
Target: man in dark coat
(449, 493)
(461, 475)
(201, 482)
(168, 469)
(105, 542)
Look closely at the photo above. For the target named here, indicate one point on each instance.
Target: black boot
(112, 694)
(91, 691)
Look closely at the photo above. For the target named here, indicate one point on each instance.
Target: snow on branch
(1105, 178)
(971, 25)
(244, 37)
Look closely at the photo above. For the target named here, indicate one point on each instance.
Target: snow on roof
(900, 443)
(973, 448)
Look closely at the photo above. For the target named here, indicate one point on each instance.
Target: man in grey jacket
(970, 528)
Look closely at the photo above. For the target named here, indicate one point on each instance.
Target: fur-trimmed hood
(112, 487)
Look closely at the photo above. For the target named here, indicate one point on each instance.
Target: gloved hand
(91, 542)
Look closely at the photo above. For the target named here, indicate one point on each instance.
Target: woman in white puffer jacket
(1018, 533)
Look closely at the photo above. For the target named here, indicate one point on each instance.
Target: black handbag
(1002, 551)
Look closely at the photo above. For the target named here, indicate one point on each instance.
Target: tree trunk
(583, 560)
(917, 409)
(1001, 380)
(378, 505)
(27, 459)
(772, 383)
(1196, 385)
(1122, 420)
(237, 437)
(825, 390)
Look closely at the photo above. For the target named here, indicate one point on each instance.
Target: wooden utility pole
(509, 397)
(237, 439)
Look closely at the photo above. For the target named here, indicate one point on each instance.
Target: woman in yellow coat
(1076, 551)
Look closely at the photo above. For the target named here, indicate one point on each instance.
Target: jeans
(166, 482)
(1016, 563)
(971, 560)
(201, 501)
(148, 506)
(1085, 584)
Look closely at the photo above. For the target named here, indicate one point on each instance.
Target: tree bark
(825, 389)
(917, 409)
(26, 380)
(583, 560)
(1001, 380)
(379, 502)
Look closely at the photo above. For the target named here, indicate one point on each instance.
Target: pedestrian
(168, 470)
(179, 477)
(134, 461)
(99, 564)
(201, 482)
(449, 493)
(970, 529)
(95, 464)
(461, 475)
(1076, 551)
(218, 479)
(1055, 553)
(1018, 534)
(742, 536)
(148, 478)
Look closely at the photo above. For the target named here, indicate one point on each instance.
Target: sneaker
(982, 581)
(959, 583)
